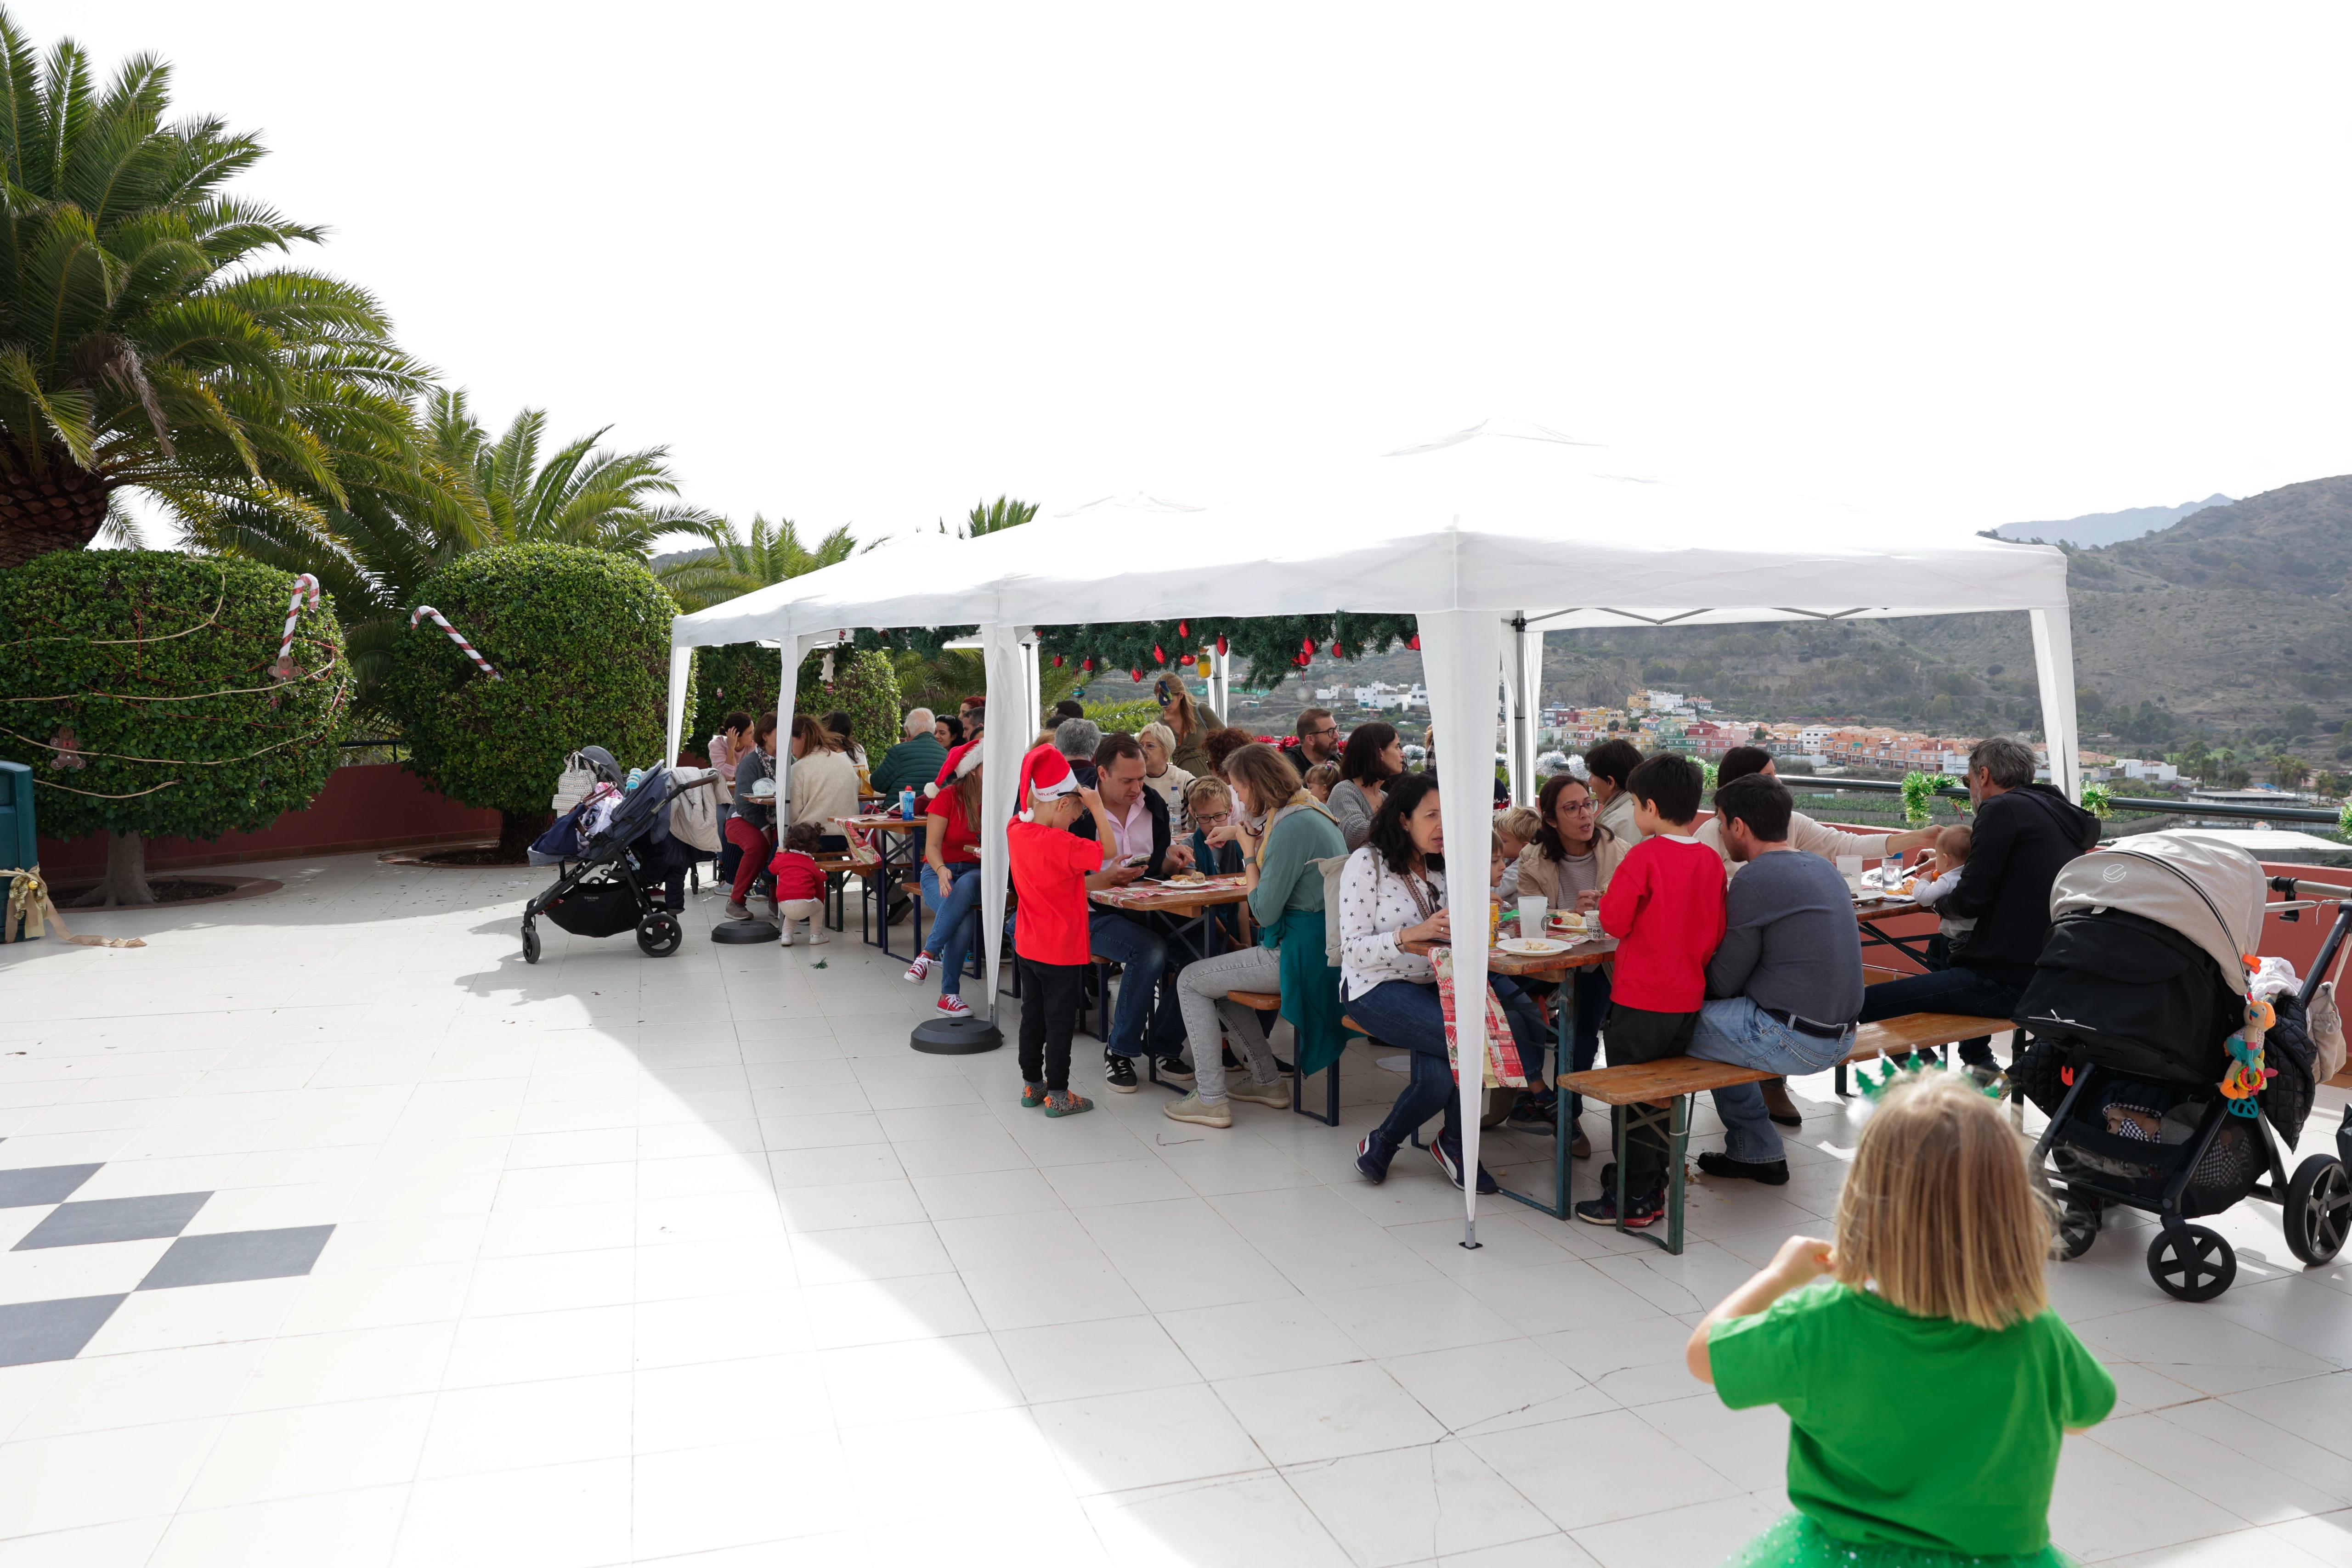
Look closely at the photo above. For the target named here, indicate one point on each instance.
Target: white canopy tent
(1491, 538)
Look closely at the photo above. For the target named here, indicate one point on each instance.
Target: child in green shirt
(1927, 1381)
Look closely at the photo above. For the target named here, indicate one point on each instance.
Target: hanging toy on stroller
(2176, 1069)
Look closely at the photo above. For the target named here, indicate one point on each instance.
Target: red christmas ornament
(1157, 656)
(1335, 647)
(1413, 642)
(1221, 643)
(1183, 629)
(1057, 660)
(1087, 665)
(1138, 677)
(1307, 647)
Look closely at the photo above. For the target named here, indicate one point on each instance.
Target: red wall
(377, 806)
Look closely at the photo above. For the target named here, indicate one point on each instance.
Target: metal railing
(2155, 805)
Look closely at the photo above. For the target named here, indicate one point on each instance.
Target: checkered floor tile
(57, 1329)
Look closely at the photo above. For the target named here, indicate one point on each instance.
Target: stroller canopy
(2209, 891)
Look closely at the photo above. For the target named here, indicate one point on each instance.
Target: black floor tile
(115, 1220)
(51, 1331)
(237, 1255)
(41, 1184)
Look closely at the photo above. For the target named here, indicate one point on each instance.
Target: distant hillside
(2098, 529)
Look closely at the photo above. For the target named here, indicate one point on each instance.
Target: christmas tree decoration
(1157, 656)
(1201, 666)
(1057, 660)
(1221, 652)
(1185, 629)
(1307, 647)
(1413, 642)
(1138, 677)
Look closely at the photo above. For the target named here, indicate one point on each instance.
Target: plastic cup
(1532, 916)
(1850, 868)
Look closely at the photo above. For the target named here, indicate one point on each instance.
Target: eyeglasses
(1319, 734)
(1212, 818)
(1588, 804)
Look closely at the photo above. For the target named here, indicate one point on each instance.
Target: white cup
(1850, 868)
(1532, 916)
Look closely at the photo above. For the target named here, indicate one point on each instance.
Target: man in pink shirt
(1146, 1020)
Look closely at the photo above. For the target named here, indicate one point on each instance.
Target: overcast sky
(868, 263)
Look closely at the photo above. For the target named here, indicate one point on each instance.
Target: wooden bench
(1271, 1002)
(1658, 1093)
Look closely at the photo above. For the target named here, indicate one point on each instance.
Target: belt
(1805, 1025)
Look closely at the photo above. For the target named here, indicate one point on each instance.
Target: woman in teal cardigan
(1286, 898)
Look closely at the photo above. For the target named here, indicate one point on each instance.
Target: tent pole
(1527, 707)
(788, 696)
(681, 665)
(1002, 748)
(2054, 662)
(1460, 652)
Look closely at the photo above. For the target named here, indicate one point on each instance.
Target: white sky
(868, 263)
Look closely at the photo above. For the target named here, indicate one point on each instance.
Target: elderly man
(2024, 832)
(1147, 1019)
(1785, 981)
(915, 761)
(1319, 737)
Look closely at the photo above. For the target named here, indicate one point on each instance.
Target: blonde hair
(1206, 788)
(1520, 822)
(1160, 736)
(1939, 1211)
(1953, 842)
(1319, 780)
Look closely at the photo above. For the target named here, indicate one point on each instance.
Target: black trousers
(1953, 990)
(1637, 1034)
(1050, 994)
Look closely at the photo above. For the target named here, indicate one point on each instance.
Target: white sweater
(1375, 903)
(823, 787)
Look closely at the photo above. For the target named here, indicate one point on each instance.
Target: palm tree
(142, 345)
(580, 495)
(2288, 770)
(733, 567)
(994, 516)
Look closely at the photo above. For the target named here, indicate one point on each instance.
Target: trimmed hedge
(98, 651)
(580, 639)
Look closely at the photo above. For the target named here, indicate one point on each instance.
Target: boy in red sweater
(1664, 906)
(800, 884)
(1050, 866)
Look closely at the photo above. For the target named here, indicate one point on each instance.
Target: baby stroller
(607, 861)
(2141, 988)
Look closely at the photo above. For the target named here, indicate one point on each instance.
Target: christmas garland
(1274, 645)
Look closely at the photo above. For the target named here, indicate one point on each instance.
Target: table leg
(1563, 1123)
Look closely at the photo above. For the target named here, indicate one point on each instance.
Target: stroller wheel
(2078, 1227)
(2191, 1263)
(2319, 1209)
(660, 933)
(530, 943)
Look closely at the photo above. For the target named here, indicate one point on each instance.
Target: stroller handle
(2317, 891)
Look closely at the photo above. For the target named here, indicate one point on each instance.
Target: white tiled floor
(693, 1260)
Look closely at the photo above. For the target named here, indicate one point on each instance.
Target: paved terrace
(379, 1247)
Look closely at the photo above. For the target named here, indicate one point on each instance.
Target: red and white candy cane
(422, 610)
(304, 587)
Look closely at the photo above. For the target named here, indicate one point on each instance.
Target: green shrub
(866, 687)
(580, 639)
(1128, 717)
(98, 647)
(731, 676)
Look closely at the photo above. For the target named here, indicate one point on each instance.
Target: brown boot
(1776, 1103)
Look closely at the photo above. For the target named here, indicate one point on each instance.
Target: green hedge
(98, 651)
(580, 639)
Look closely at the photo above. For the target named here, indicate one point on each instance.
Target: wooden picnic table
(1181, 898)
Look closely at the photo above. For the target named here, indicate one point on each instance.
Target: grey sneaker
(1275, 1094)
(1190, 1109)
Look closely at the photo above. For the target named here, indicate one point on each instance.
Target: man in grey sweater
(1786, 982)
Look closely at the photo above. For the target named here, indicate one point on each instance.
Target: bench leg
(1674, 1119)
(1330, 1116)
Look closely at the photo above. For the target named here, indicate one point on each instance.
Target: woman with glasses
(1570, 865)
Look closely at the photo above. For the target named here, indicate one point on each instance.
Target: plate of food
(1568, 923)
(1187, 879)
(1531, 946)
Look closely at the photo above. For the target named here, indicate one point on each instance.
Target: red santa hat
(960, 761)
(1044, 776)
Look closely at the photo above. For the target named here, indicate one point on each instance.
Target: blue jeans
(1407, 1013)
(1146, 1020)
(1735, 1030)
(956, 929)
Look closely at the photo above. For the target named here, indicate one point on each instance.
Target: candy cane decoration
(442, 620)
(305, 586)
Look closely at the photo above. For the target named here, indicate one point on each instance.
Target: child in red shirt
(1664, 906)
(800, 884)
(1050, 866)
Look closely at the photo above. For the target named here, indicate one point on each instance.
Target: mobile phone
(1136, 860)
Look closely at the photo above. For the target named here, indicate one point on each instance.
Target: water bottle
(906, 805)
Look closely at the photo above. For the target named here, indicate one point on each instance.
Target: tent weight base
(740, 931)
(956, 1037)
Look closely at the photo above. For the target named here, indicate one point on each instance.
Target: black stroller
(2139, 987)
(601, 887)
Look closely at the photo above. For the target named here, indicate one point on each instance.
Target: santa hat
(1044, 776)
(960, 761)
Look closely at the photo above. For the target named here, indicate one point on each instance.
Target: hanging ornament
(1413, 642)
(1087, 665)
(1307, 647)
(1138, 677)
(1221, 644)
(1057, 660)
(1335, 647)
(1201, 666)
(1183, 629)
(1157, 656)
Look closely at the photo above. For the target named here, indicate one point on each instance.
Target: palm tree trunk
(62, 507)
(125, 882)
